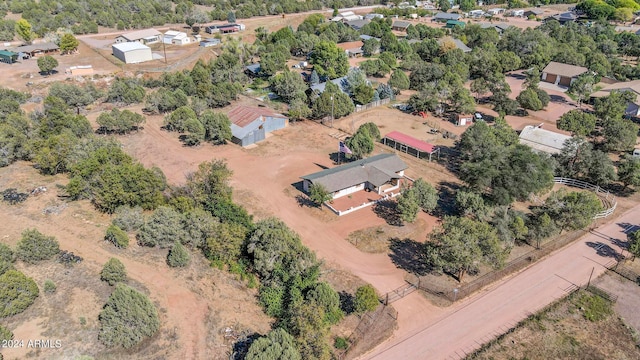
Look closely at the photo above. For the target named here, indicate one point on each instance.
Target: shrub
(113, 272)
(49, 286)
(128, 218)
(594, 307)
(366, 299)
(17, 293)
(34, 246)
(5, 266)
(340, 343)
(164, 228)
(6, 254)
(117, 236)
(127, 318)
(5, 334)
(178, 256)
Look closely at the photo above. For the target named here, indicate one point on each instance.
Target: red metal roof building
(404, 142)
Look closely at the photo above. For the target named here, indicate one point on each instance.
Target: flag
(344, 148)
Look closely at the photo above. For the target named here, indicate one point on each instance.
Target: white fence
(362, 206)
(608, 200)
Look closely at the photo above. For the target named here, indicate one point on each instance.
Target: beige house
(562, 74)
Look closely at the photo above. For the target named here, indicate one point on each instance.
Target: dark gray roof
(401, 24)
(377, 170)
(35, 47)
(320, 86)
(254, 68)
(357, 24)
(367, 37)
(447, 16)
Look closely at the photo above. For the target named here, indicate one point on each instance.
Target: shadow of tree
(409, 255)
(387, 210)
(604, 250)
(347, 302)
(242, 345)
(303, 200)
(447, 198)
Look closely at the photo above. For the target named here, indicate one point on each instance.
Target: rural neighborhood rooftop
(564, 69)
(543, 140)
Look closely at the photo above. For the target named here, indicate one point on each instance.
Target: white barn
(543, 140)
(132, 52)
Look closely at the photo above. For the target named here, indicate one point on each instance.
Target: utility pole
(332, 111)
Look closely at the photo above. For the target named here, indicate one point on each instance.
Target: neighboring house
(29, 51)
(352, 48)
(357, 24)
(380, 174)
(8, 57)
(347, 16)
(176, 38)
(399, 25)
(147, 36)
(476, 13)
(633, 108)
(132, 52)
(562, 74)
(638, 32)
(250, 125)
(459, 44)
(517, 13)
(79, 70)
(224, 28)
(373, 16)
(563, 18)
(253, 69)
(495, 11)
(444, 17)
(534, 12)
(500, 28)
(209, 42)
(543, 140)
(319, 88)
(367, 37)
(453, 23)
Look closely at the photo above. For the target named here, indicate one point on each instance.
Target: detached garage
(132, 52)
(562, 74)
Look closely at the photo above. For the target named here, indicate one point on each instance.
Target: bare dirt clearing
(195, 304)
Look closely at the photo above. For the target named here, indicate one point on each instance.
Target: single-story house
(459, 44)
(224, 28)
(399, 25)
(444, 17)
(346, 16)
(352, 48)
(543, 140)
(79, 70)
(319, 87)
(146, 36)
(476, 13)
(563, 18)
(8, 57)
(633, 108)
(533, 12)
(463, 119)
(495, 11)
(209, 42)
(517, 13)
(500, 28)
(250, 125)
(34, 50)
(253, 69)
(562, 74)
(453, 23)
(364, 37)
(357, 24)
(132, 52)
(374, 16)
(176, 38)
(380, 174)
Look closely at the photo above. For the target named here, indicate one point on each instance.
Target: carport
(409, 144)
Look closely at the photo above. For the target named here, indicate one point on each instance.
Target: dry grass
(377, 239)
(562, 332)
